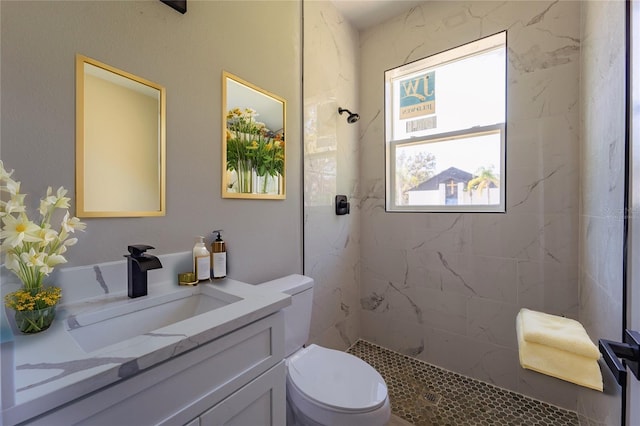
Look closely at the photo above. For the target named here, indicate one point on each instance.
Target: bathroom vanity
(204, 355)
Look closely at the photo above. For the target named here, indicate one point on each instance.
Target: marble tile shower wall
(602, 94)
(331, 166)
(446, 287)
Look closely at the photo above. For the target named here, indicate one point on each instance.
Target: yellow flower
(23, 300)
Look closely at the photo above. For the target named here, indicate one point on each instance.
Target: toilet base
(322, 417)
(296, 418)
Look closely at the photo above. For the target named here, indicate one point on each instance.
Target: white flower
(33, 258)
(70, 242)
(12, 187)
(57, 201)
(48, 236)
(45, 205)
(33, 250)
(54, 260)
(4, 175)
(70, 224)
(14, 205)
(12, 262)
(17, 230)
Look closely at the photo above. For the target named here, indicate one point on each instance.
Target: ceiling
(366, 13)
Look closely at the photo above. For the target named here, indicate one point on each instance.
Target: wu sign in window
(445, 118)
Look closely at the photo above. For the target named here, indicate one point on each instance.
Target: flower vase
(35, 321)
(260, 186)
(35, 308)
(273, 186)
(266, 184)
(245, 172)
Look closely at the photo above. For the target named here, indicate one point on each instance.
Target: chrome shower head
(352, 118)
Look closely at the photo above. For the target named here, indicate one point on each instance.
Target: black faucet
(138, 263)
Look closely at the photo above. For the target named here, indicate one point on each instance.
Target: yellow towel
(558, 332)
(555, 362)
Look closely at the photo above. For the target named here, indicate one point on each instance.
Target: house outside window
(445, 121)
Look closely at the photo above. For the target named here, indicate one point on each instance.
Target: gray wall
(602, 94)
(257, 41)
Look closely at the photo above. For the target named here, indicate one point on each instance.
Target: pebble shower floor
(425, 395)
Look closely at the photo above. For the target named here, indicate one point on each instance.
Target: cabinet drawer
(261, 402)
(180, 389)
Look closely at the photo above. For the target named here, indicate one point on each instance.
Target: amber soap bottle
(219, 257)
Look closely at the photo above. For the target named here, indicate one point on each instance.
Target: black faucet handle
(138, 250)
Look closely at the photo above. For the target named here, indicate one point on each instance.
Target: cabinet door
(194, 422)
(260, 402)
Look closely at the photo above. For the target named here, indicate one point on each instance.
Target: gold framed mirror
(253, 141)
(120, 143)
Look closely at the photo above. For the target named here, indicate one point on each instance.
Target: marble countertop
(43, 371)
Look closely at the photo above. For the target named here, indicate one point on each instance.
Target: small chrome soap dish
(187, 278)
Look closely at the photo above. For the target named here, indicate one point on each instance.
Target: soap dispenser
(201, 260)
(219, 256)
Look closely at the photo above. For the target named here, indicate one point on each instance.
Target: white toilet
(325, 386)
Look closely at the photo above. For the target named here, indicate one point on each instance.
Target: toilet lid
(336, 379)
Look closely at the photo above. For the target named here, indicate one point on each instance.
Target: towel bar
(629, 351)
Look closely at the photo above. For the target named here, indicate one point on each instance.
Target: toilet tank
(297, 316)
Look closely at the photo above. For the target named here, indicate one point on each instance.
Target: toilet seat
(335, 380)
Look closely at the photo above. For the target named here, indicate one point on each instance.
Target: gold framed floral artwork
(253, 141)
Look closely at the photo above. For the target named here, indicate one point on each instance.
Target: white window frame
(423, 66)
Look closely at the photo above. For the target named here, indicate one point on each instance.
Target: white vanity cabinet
(238, 378)
(261, 402)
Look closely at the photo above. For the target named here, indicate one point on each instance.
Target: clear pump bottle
(201, 260)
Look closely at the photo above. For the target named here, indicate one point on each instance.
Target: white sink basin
(124, 318)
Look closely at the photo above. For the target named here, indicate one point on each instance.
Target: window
(445, 130)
